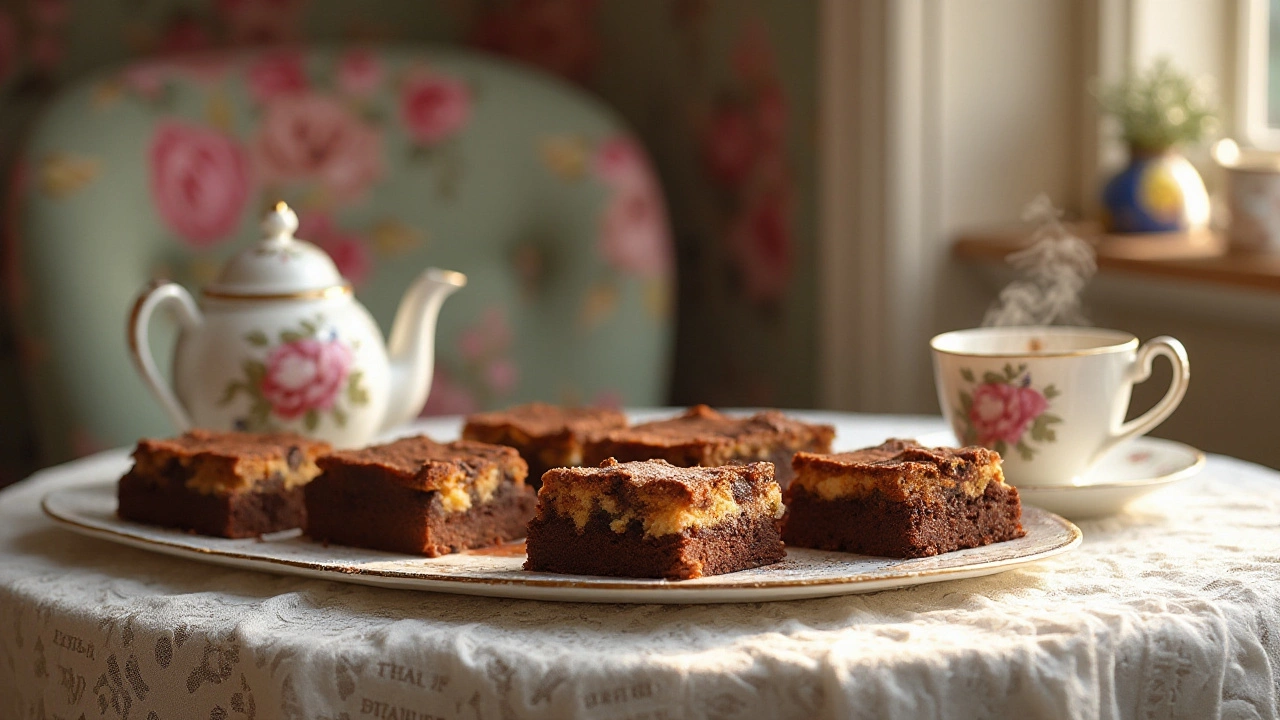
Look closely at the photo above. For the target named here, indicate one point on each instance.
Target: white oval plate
(1126, 473)
(90, 509)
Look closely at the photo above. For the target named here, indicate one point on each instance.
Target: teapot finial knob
(281, 223)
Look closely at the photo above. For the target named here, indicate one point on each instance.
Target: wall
(1009, 122)
(959, 112)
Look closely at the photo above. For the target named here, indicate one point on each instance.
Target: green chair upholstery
(395, 159)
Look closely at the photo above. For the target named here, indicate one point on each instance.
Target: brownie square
(228, 484)
(419, 496)
(651, 519)
(546, 436)
(703, 437)
(900, 499)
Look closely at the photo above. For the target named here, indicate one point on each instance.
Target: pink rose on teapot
(305, 375)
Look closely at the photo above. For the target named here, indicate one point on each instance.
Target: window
(1258, 98)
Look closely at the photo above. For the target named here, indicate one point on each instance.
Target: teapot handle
(154, 296)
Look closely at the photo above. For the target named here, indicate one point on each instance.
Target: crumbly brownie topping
(900, 470)
(457, 470)
(538, 420)
(225, 462)
(665, 499)
(711, 438)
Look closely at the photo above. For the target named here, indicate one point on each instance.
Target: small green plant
(1160, 108)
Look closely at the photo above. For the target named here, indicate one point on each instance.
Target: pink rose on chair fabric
(147, 78)
(501, 376)
(448, 397)
(200, 181)
(620, 161)
(314, 137)
(486, 371)
(359, 72)
(348, 249)
(634, 237)
(609, 398)
(488, 338)
(274, 74)
(433, 107)
(306, 374)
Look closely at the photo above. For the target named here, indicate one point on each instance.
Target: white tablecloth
(1171, 610)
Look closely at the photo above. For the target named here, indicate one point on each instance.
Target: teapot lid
(279, 266)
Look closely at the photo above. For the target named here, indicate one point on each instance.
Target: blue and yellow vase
(1159, 191)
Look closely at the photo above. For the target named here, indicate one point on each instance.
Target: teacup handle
(1139, 372)
(153, 297)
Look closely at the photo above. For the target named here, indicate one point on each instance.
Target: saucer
(1126, 473)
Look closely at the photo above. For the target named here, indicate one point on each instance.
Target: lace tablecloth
(1171, 610)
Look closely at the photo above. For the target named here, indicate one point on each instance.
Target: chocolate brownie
(703, 437)
(651, 519)
(900, 499)
(419, 496)
(228, 484)
(546, 436)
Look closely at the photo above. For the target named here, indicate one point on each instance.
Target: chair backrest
(395, 159)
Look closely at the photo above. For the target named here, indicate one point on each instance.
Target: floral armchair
(395, 159)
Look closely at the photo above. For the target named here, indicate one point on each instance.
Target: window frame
(1252, 48)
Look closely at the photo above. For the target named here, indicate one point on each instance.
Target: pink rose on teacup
(305, 375)
(1001, 411)
(433, 107)
(312, 136)
(199, 181)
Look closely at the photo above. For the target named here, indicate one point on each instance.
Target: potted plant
(1159, 111)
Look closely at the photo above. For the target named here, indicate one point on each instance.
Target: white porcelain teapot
(279, 342)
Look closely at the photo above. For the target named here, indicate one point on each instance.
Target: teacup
(1050, 400)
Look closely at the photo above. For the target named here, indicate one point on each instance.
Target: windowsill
(1199, 258)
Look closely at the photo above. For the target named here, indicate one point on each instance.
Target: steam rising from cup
(1054, 270)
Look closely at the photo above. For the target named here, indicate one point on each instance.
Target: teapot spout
(411, 347)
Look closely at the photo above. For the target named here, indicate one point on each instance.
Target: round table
(1169, 610)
